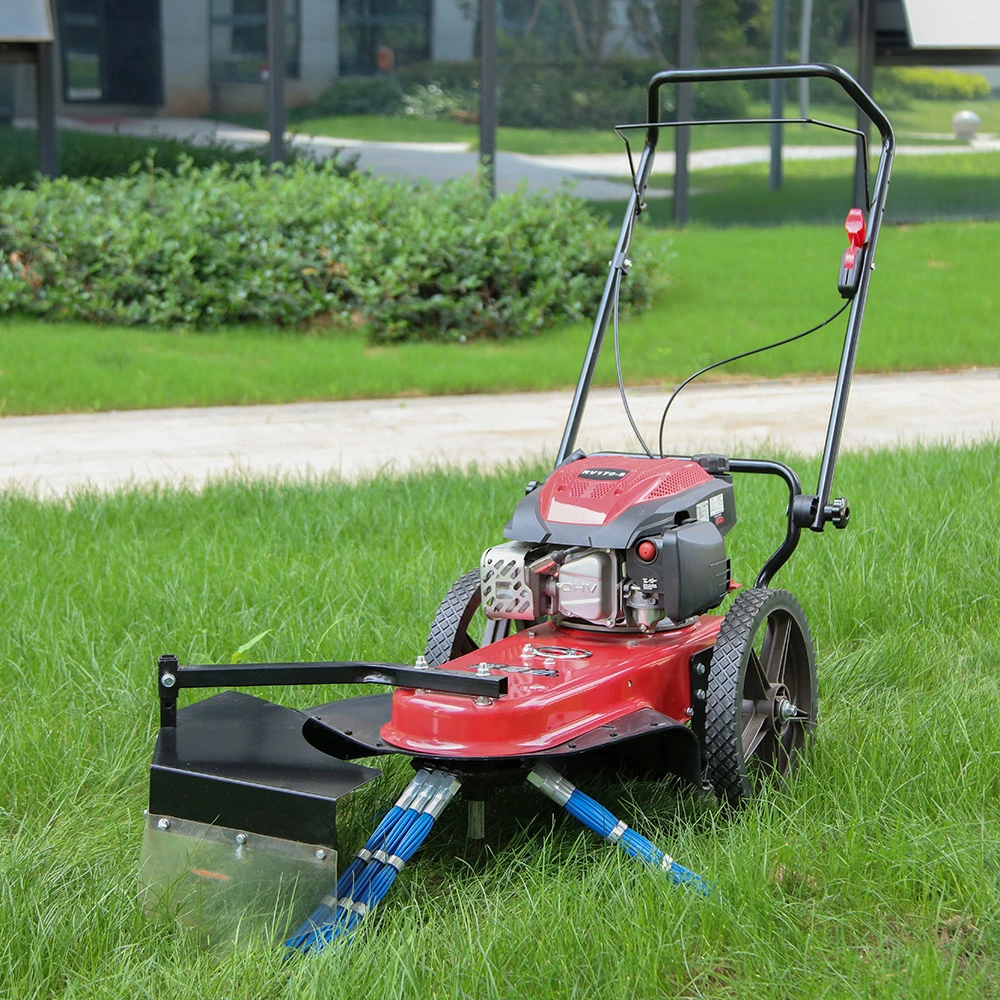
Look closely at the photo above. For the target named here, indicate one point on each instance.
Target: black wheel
(456, 623)
(761, 699)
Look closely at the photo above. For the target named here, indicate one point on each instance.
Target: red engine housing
(598, 490)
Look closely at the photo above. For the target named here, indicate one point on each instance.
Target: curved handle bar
(853, 89)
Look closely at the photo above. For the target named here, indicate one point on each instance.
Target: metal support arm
(172, 677)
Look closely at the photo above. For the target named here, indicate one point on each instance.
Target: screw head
(699, 668)
(168, 680)
(421, 662)
(699, 695)
(241, 839)
(483, 670)
(320, 855)
(163, 823)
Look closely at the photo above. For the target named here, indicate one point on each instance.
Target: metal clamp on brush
(368, 878)
(595, 817)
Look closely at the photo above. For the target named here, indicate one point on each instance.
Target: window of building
(112, 51)
(368, 28)
(81, 49)
(239, 40)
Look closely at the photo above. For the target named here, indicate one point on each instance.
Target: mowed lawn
(948, 186)
(933, 304)
(924, 121)
(875, 873)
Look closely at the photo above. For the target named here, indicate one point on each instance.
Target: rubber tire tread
(723, 744)
(451, 622)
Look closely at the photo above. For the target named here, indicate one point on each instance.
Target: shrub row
(88, 154)
(930, 83)
(897, 87)
(531, 94)
(244, 244)
(576, 95)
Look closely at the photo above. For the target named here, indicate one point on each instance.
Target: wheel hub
(787, 711)
(780, 703)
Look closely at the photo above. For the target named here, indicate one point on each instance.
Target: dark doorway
(112, 51)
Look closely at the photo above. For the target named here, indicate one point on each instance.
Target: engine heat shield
(609, 501)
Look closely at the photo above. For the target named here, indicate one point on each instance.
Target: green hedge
(362, 95)
(532, 94)
(896, 88)
(244, 244)
(939, 84)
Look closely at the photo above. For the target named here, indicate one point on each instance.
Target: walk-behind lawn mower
(598, 655)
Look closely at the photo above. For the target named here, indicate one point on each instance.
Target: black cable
(618, 365)
(737, 357)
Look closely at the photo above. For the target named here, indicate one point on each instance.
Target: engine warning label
(715, 506)
(603, 474)
(701, 511)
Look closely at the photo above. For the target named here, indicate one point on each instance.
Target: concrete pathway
(594, 175)
(54, 455)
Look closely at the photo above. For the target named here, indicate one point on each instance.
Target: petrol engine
(616, 541)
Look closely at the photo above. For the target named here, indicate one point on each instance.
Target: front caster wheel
(761, 700)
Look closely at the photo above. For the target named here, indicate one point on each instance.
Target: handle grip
(861, 98)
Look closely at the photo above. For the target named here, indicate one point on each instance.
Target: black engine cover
(690, 572)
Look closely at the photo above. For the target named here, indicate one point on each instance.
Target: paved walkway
(53, 455)
(594, 175)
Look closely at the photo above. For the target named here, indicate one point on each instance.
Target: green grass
(911, 125)
(922, 188)
(551, 142)
(935, 117)
(933, 305)
(875, 874)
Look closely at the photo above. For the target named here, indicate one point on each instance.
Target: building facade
(194, 57)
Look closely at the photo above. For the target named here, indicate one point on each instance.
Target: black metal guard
(172, 677)
(821, 511)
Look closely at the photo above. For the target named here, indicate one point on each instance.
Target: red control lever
(847, 283)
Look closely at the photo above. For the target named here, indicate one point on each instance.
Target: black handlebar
(803, 71)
